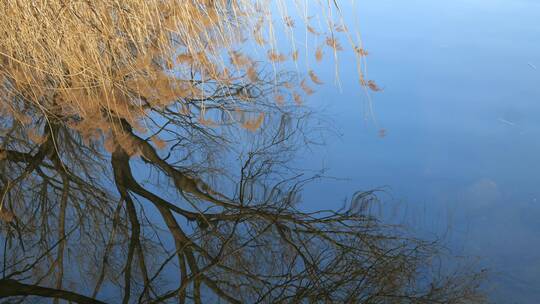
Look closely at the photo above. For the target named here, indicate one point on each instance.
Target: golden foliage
(312, 30)
(297, 99)
(288, 20)
(306, 88)
(319, 54)
(314, 78)
(373, 86)
(35, 136)
(240, 60)
(333, 43)
(206, 121)
(94, 60)
(158, 142)
(360, 51)
(255, 124)
(295, 55)
(274, 56)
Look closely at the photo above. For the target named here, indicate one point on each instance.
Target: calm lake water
(453, 143)
(461, 106)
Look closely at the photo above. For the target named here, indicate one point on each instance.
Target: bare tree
(137, 168)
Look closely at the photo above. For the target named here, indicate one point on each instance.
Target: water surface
(461, 155)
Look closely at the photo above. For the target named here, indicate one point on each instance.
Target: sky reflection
(460, 106)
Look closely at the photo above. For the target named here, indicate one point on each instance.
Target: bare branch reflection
(135, 168)
(181, 223)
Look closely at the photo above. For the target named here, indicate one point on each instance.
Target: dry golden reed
(95, 60)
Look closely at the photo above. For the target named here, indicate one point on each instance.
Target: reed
(122, 57)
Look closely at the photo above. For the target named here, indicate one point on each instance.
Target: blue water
(461, 106)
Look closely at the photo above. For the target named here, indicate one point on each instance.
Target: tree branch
(11, 288)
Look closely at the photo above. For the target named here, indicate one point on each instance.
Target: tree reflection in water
(198, 228)
(128, 181)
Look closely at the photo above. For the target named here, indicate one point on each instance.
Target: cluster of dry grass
(92, 60)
